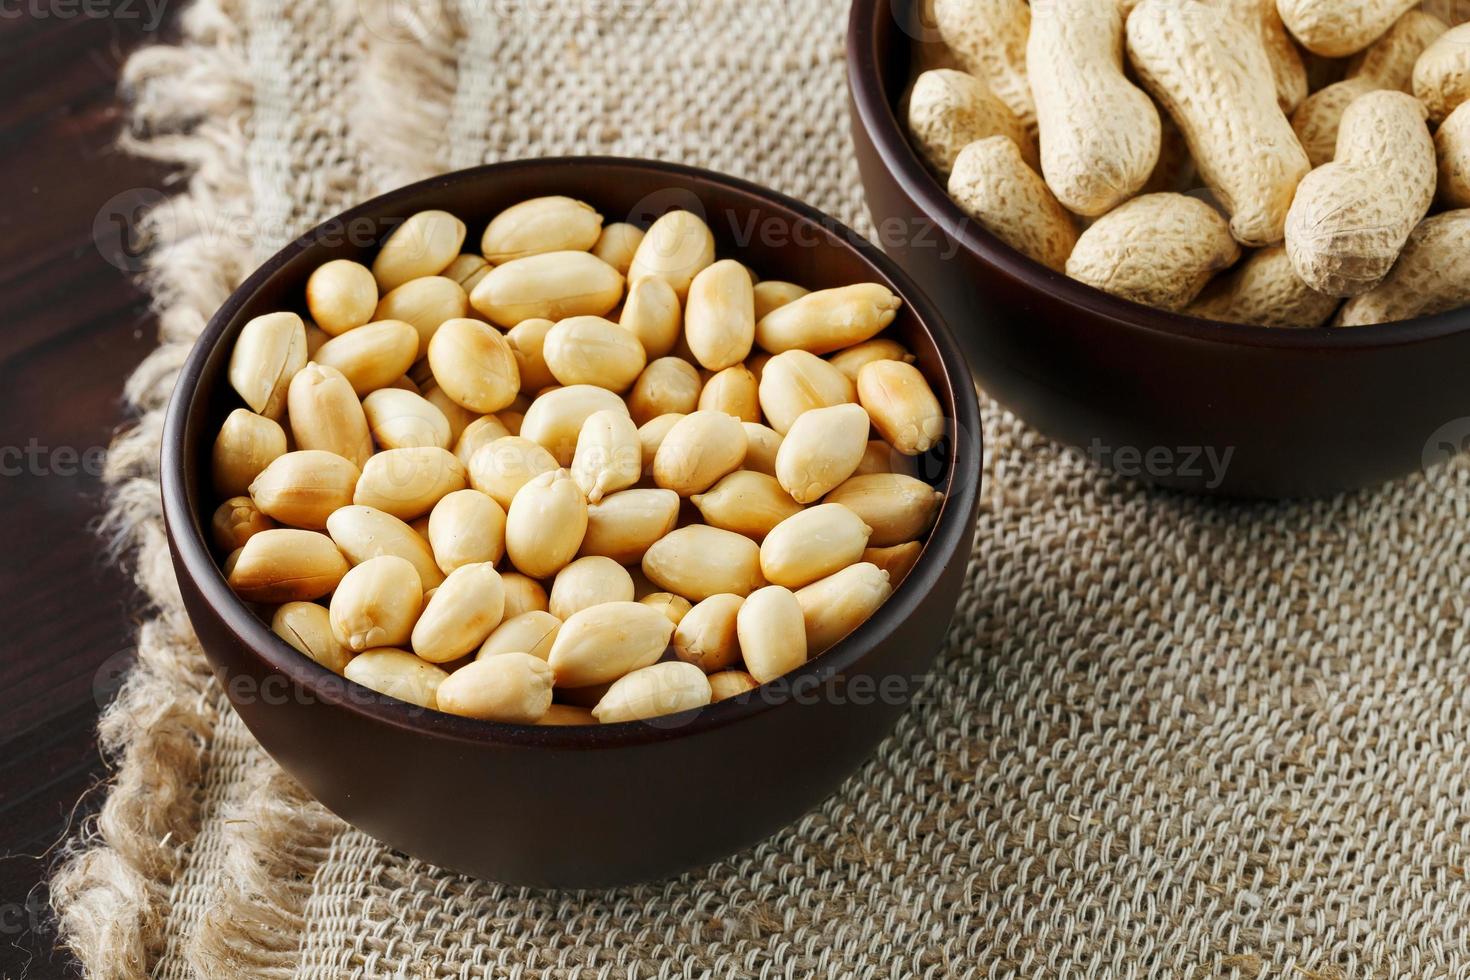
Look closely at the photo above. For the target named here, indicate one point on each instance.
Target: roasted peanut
(235, 521)
(897, 560)
(676, 607)
(399, 419)
(608, 457)
(551, 285)
(421, 246)
(902, 406)
(466, 527)
(523, 594)
(604, 642)
(797, 381)
(676, 248)
(838, 604)
(652, 314)
(588, 582)
(719, 318)
(341, 295)
(398, 674)
(542, 224)
(533, 632)
(705, 636)
(376, 604)
(555, 419)
(813, 544)
(527, 341)
(545, 524)
(733, 391)
(269, 352)
(308, 627)
(366, 532)
(828, 320)
(622, 526)
(513, 689)
(774, 294)
(500, 469)
(303, 488)
(747, 503)
(763, 443)
(661, 689)
(474, 365)
(325, 414)
(772, 633)
(588, 350)
(898, 508)
(424, 304)
(407, 483)
(730, 684)
(698, 450)
(822, 449)
(699, 561)
(246, 445)
(461, 614)
(669, 385)
(617, 245)
(371, 356)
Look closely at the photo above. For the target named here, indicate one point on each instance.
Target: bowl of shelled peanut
(514, 504)
(1188, 228)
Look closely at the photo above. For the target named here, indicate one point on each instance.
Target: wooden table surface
(75, 325)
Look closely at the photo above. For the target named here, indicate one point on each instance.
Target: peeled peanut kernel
(542, 224)
(269, 352)
(376, 604)
(772, 633)
(699, 561)
(898, 508)
(897, 560)
(719, 318)
(500, 469)
(246, 444)
(902, 406)
(669, 385)
(399, 419)
(661, 689)
(474, 365)
(828, 320)
(466, 269)
(588, 582)
(459, 417)
(676, 248)
(608, 457)
(533, 632)
(651, 435)
(398, 674)
(341, 295)
(730, 684)
(424, 304)
(603, 642)
(705, 636)
(617, 245)
(461, 614)
(698, 450)
(746, 502)
(588, 350)
(545, 524)
(823, 448)
(303, 488)
(514, 689)
(733, 391)
(478, 434)
(796, 381)
(652, 314)
(315, 338)
(774, 294)
(623, 526)
(527, 341)
(762, 445)
(851, 360)
(551, 285)
(407, 483)
(676, 607)
(237, 520)
(325, 414)
(834, 606)
(523, 594)
(421, 246)
(371, 356)
(555, 419)
(466, 527)
(366, 532)
(307, 626)
(813, 544)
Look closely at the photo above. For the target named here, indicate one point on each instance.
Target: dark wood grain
(74, 328)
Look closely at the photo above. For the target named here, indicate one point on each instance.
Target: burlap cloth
(1169, 737)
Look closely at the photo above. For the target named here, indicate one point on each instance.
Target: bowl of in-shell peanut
(573, 522)
(1222, 245)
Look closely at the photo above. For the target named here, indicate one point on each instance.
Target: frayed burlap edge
(410, 68)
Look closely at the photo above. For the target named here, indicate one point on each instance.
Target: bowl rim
(949, 539)
(865, 75)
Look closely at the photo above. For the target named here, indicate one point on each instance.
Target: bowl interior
(778, 237)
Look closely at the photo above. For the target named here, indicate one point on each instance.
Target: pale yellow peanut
(699, 561)
(500, 469)
(269, 352)
(652, 314)
(719, 317)
(398, 674)
(668, 385)
(533, 632)
(705, 636)
(512, 418)
(407, 483)
(366, 532)
(586, 582)
(371, 356)
(730, 684)
(732, 391)
(303, 488)
(662, 689)
(341, 295)
(324, 413)
(513, 689)
(1452, 147)
(467, 269)
(461, 614)
(376, 604)
(746, 502)
(399, 419)
(477, 435)
(542, 224)
(545, 524)
(235, 521)
(993, 185)
(676, 248)
(813, 544)
(773, 294)
(897, 560)
(1431, 276)
(772, 630)
(1287, 71)
(763, 443)
(307, 626)
(603, 642)
(624, 525)
(589, 350)
(246, 444)
(823, 448)
(948, 110)
(567, 714)
(315, 337)
(898, 508)
(466, 527)
(834, 606)
(608, 457)
(1264, 290)
(850, 360)
(1441, 78)
(617, 245)
(796, 381)
(676, 607)
(228, 565)
(1158, 249)
(424, 304)
(459, 417)
(551, 285)
(1099, 133)
(903, 407)
(1210, 73)
(698, 450)
(1337, 28)
(474, 365)
(1351, 217)
(523, 594)
(421, 246)
(988, 40)
(651, 435)
(555, 419)
(527, 341)
(880, 457)
(829, 319)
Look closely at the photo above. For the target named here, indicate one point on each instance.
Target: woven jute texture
(1168, 737)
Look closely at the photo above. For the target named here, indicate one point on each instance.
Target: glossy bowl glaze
(582, 806)
(1169, 398)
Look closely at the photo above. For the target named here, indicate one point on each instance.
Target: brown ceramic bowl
(582, 806)
(1151, 393)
